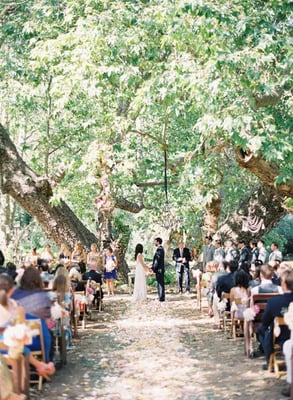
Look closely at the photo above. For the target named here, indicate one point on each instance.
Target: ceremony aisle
(165, 351)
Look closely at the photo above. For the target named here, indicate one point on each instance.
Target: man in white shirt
(263, 254)
(266, 284)
(275, 254)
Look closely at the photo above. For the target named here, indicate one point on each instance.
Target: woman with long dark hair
(141, 271)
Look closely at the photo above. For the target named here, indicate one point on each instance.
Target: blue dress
(113, 273)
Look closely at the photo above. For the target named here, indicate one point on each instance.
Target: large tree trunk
(265, 171)
(33, 194)
(255, 216)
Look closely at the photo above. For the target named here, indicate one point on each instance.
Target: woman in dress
(78, 256)
(110, 265)
(64, 254)
(93, 255)
(12, 313)
(240, 291)
(141, 271)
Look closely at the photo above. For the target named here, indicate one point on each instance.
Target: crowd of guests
(243, 271)
(45, 283)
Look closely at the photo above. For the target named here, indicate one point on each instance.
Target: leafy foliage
(94, 87)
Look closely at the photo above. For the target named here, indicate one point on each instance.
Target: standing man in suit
(208, 251)
(158, 267)
(276, 307)
(244, 253)
(182, 256)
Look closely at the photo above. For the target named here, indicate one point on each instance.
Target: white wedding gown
(140, 288)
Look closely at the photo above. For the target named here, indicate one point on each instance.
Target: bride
(141, 270)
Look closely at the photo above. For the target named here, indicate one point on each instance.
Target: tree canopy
(94, 90)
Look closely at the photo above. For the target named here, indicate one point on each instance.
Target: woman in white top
(141, 271)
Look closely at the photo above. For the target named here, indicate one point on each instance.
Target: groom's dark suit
(182, 268)
(159, 269)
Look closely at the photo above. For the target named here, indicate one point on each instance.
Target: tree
(34, 194)
(207, 83)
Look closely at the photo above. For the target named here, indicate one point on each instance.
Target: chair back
(36, 325)
(261, 301)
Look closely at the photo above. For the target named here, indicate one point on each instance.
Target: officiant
(182, 257)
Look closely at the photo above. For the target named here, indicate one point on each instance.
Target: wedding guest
(275, 307)
(275, 254)
(110, 271)
(231, 252)
(94, 276)
(263, 254)
(240, 291)
(226, 282)
(93, 255)
(79, 257)
(47, 255)
(266, 284)
(208, 251)
(64, 253)
(254, 251)
(11, 312)
(244, 253)
(219, 254)
(11, 270)
(32, 257)
(31, 296)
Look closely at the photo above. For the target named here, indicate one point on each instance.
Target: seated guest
(61, 293)
(255, 274)
(266, 285)
(95, 276)
(215, 298)
(240, 291)
(74, 275)
(31, 296)
(11, 270)
(276, 307)
(279, 269)
(35, 301)
(10, 313)
(226, 282)
(45, 272)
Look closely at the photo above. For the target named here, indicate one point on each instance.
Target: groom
(158, 267)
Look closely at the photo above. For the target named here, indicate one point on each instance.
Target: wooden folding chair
(40, 354)
(277, 361)
(237, 324)
(19, 369)
(202, 285)
(225, 316)
(250, 327)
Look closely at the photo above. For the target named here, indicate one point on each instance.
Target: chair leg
(271, 362)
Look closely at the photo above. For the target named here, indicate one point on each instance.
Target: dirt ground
(164, 351)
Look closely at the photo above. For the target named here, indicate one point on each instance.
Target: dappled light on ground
(163, 351)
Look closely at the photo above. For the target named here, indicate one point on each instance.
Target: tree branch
(126, 205)
(156, 139)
